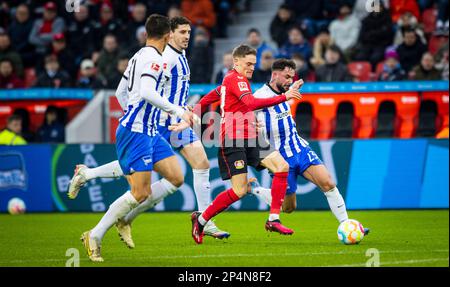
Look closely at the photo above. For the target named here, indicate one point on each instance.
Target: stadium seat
(436, 42)
(30, 77)
(304, 119)
(386, 120)
(344, 120)
(378, 71)
(429, 17)
(427, 119)
(360, 70)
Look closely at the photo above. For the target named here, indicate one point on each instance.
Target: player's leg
(166, 164)
(195, 155)
(133, 150)
(83, 174)
(280, 169)
(233, 165)
(319, 175)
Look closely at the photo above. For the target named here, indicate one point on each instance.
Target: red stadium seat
(360, 70)
(30, 77)
(429, 18)
(378, 71)
(436, 42)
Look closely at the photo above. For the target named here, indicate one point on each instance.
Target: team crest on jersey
(243, 86)
(155, 67)
(147, 160)
(239, 164)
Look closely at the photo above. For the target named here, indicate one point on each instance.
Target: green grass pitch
(403, 238)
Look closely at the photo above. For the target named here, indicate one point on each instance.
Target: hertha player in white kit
(176, 89)
(140, 148)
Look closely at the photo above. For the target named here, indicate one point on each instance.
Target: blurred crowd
(44, 45)
(339, 40)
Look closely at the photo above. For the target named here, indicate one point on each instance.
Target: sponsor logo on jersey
(165, 66)
(155, 67)
(282, 115)
(239, 164)
(243, 86)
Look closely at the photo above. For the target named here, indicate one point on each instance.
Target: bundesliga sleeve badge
(243, 87)
(155, 67)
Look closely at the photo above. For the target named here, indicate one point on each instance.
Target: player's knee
(176, 180)
(282, 167)
(141, 193)
(327, 185)
(202, 163)
(289, 207)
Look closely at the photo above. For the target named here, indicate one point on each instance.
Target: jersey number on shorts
(312, 156)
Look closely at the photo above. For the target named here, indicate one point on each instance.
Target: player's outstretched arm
(208, 99)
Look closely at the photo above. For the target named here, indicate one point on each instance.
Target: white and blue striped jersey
(177, 78)
(279, 126)
(141, 116)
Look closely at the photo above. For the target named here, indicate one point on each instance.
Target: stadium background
(365, 126)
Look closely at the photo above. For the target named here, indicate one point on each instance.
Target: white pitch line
(235, 255)
(393, 262)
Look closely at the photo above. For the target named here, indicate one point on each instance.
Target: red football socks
(220, 203)
(278, 191)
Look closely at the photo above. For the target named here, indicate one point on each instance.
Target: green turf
(403, 238)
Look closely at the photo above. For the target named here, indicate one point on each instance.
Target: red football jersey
(237, 119)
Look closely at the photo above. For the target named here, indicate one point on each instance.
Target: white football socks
(202, 188)
(108, 170)
(116, 210)
(274, 216)
(337, 204)
(160, 190)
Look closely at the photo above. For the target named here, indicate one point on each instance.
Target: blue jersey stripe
(148, 110)
(268, 125)
(130, 107)
(174, 84)
(281, 131)
(183, 87)
(186, 63)
(135, 113)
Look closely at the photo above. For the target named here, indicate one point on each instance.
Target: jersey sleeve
(152, 69)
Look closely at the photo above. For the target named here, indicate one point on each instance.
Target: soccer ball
(350, 232)
(16, 206)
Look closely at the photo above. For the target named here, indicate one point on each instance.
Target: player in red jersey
(240, 146)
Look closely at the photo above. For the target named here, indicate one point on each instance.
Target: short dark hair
(157, 26)
(334, 48)
(177, 21)
(408, 30)
(253, 30)
(243, 50)
(281, 64)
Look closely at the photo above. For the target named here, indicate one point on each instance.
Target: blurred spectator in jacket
(18, 31)
(201, 59)
(8, 79)
(65, 57)
(255, 41)
(411, 51)
(399, 7)
(227, 65)
(442, 18)
(81, 34)
(44, 29)
(321, 43)
(139, 42)
(174, 11)
(53, 76)
(426, 70)
(301, 68)
(360, 10)
(408, 21)
(108, 25)
(392, 70)
(283, 20)
(138, 18)
(296, 44)
(345, 29)
(375, 36)
(88, 78)
(308, 14)
(264, 72)
(442, 62)
(8, 52)
(161, 7)
(52, 130)
(26, 133)
(333, 70)
(113, 80)
(11, 134)
(107, 60)
(223, 11)
(199, 12)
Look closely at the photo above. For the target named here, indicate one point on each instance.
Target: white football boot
(77, 182)
(92, 247)
(124, 230)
